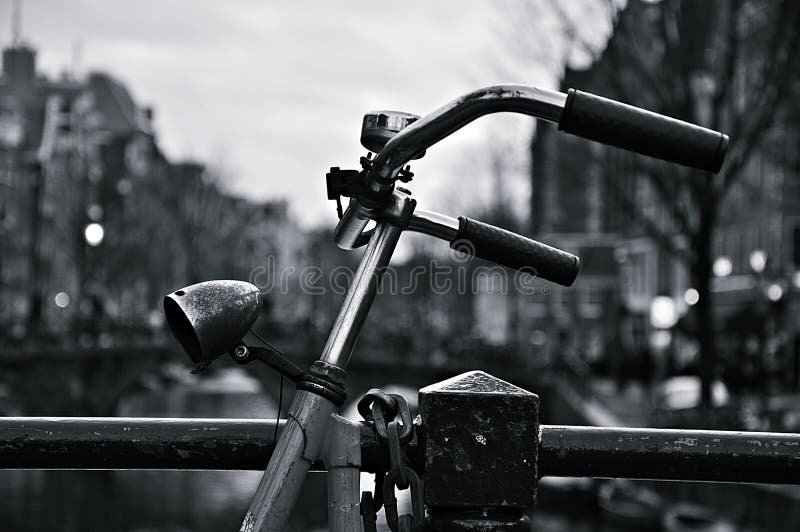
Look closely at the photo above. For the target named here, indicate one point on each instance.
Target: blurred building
(96, 224)
(581, 200)
(37, 202)
(572, 209)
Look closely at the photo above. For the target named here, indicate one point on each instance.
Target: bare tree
(726, 64)
(548, 34)
(199, 207)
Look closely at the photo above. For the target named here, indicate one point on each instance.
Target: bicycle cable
(280, 387)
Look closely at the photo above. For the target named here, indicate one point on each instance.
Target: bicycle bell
(380, 126)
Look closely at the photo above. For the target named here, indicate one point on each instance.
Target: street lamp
(758, 261)
(722, 266)
(774, 292)
(663, 316)
(61, 300)
(663, 312)
(94, 234)
(691, 296)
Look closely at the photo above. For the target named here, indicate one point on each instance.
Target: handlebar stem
(422, 134)
(350, 228)
(398, 211)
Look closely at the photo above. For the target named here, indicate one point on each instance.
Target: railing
(479, 446)
(247, 444)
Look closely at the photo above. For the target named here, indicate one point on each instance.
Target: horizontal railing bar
(135, 443)
(246, 444)
(668, 454)
(148, 443)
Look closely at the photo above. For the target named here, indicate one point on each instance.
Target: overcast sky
(275, 92)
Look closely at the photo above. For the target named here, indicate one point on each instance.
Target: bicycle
(210, 319)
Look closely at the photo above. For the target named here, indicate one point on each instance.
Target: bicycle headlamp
(211, 318)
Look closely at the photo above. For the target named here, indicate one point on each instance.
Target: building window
(591, 302)
(562, 305)
(536, 305)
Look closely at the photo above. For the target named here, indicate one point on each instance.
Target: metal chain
(396, 454)
(370, 504)
(369, 515)
(378, 406)
(413, 522)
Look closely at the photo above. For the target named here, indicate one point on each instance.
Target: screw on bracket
(241, 352)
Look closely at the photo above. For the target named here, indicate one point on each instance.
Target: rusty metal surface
(476, 521)
(210, 318)
(147, 443)
(478, 430)
(343, 459)
(667, 454)
(181, 443)
(134, 443)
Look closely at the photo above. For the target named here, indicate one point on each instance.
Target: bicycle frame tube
(360, 296)
(301, 441)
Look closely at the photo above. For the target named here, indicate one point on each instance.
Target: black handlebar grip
(624, 126)
(516, 251)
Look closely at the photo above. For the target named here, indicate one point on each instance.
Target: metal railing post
(342, 459)
(480, 468)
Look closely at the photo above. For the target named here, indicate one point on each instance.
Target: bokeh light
(692, 296)
(758, 261)
(61, 300)
(94, 234)
(663, 312)
(723, 266)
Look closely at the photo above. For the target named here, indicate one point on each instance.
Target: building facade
(96, 223)
(596, 202)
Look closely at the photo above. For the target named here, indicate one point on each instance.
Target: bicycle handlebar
(442, 122)
(499, 245)
(516, 251)
(579, 113)
(624, 126)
